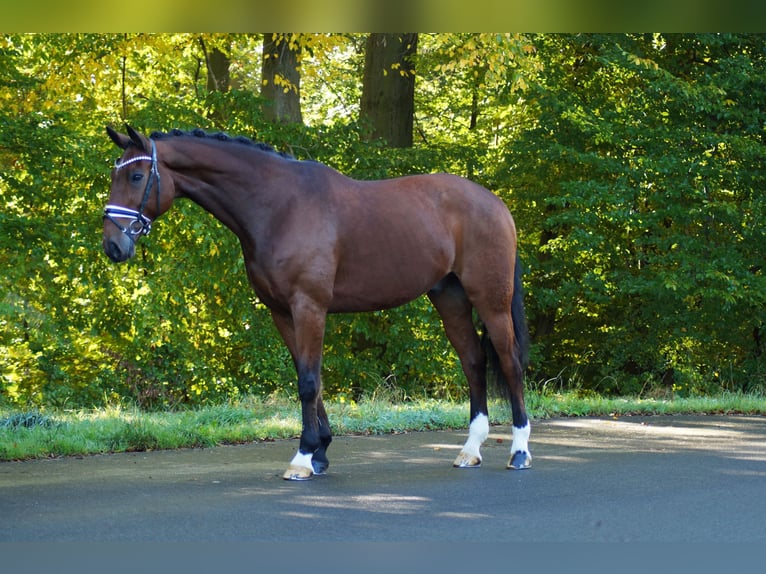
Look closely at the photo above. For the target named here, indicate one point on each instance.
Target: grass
(34, 434)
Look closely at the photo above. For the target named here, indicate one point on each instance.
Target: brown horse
(318, 242)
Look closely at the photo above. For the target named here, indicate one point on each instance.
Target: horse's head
(136, 197)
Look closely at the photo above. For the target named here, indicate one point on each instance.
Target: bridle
(139, 223)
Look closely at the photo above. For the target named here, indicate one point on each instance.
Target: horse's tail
(519, 316)
(521, 336)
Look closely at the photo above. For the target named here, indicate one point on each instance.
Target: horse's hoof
(465, 460)
(320, 467)
(297, 473)
(520, 460)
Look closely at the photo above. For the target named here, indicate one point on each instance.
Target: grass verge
(29, 435)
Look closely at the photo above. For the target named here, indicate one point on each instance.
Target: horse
(315, 242)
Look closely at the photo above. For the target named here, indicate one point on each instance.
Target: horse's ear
(138, 139)
(120, 140)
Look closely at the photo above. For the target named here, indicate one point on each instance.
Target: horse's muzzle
(119, 250)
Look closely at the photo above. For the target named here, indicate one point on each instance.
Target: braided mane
(218, 136)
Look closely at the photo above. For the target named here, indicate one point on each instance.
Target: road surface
(632, 479)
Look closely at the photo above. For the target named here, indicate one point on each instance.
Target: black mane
(219, 136)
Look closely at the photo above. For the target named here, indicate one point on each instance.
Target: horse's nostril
(112, 251)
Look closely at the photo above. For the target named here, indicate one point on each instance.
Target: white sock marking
(521, 439)
(301, 459)
(477, 434)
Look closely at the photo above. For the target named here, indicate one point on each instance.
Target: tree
(388, 92)
(217, 64)
(218, 79)
(281, 83)
(633, 164)
(636, 185)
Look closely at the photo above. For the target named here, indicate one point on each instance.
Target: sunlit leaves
(633, 164)
(645, 180)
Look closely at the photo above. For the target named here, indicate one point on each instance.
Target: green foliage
(640, 188)
(632, 163)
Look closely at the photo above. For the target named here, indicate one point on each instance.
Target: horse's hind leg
(450, 300)
(501, 333)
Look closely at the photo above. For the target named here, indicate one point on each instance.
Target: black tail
(521, 334)
(520, 329)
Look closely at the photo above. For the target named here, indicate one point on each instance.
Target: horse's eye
(136, 177)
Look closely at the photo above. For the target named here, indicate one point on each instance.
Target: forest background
(633, 164)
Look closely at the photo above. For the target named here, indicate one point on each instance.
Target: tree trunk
(217, 65)
(281, 86)
(388, 91)
(217, 71)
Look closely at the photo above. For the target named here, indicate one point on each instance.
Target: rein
(139, 223)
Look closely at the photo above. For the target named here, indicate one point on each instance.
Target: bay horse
(316, 242)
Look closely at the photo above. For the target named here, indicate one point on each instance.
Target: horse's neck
(224, 185)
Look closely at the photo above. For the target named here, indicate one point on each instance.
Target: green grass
(36, 434)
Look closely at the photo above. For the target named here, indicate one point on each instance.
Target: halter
(139, 223)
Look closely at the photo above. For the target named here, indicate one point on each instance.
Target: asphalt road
(635, 479)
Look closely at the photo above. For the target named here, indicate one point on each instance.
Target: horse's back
(397, 238)
(438, 202)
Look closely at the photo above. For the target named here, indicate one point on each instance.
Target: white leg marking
(477, 434)
(520, 456)
(521, 439)
(300, 467)
(301, 459)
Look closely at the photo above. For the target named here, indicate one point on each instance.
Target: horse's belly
(376, 285)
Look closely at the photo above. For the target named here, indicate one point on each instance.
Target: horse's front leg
(319, 461)
(310, 458)
(301, 467)
(303, 333)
